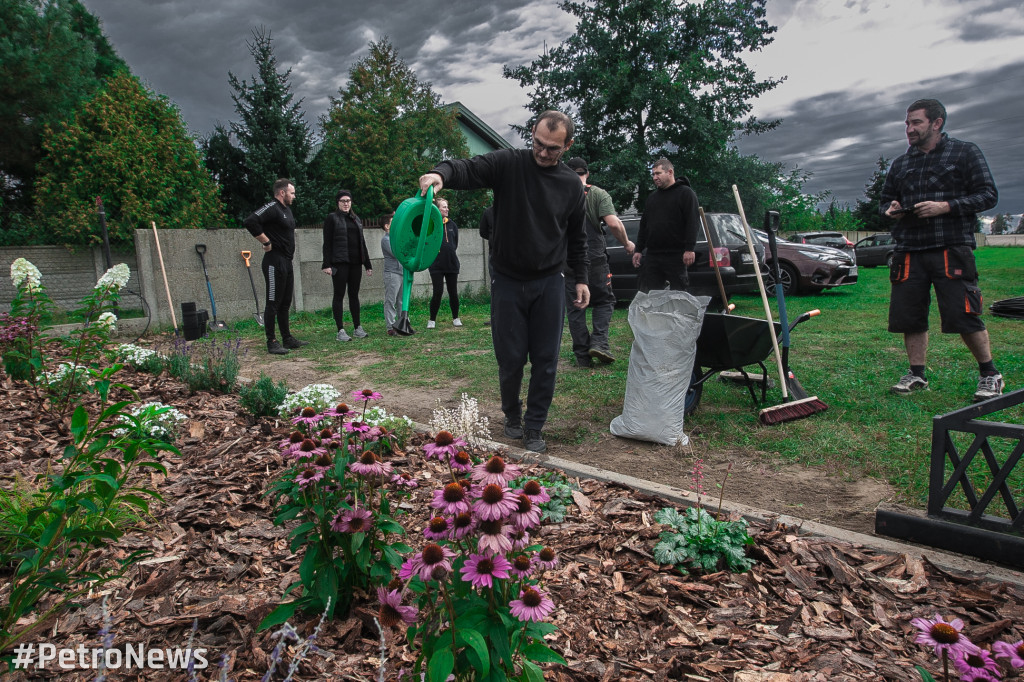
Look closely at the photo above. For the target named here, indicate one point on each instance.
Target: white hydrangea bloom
(107, 319)
(116, 276)
(23, 272)
(156, 420)
(318, 396)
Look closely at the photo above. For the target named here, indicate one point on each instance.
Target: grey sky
(851, 67)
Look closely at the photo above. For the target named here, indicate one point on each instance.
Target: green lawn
(845, 356)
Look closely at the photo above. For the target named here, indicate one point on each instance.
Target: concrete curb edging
(942, 559)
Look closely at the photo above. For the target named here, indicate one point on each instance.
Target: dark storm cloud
(839, 136)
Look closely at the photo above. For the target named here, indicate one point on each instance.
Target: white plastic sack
(665, 325)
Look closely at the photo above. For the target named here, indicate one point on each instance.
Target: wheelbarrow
(733, 342)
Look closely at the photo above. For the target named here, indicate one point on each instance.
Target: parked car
(875, 250)
(837, 240)
(734, 261)
(807, 268)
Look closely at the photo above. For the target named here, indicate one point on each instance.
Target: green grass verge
(845, 357)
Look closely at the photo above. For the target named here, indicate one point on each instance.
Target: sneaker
(603, 355)
(533, 442)
(359, 332)
(910, 382)
(275, 348)
(456, 322)
(513, 428)
(989, 387)
(430, 324)
(584, 362)
(392, 332)
(292, 342)
(342, 336)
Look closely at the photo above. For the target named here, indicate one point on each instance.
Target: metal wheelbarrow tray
(730, 342)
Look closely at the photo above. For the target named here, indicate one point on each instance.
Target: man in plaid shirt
(933, 194)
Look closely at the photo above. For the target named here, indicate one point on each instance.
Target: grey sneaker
(533, 442)
(513, 428)
(275, 348)
(342, 336)
(603, 355)
(910, 382)
(359, 333)
(989, 387)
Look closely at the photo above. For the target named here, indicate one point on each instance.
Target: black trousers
(346, 276)
(526, 324)
(657, 268)
(280, 279)
(438, 280)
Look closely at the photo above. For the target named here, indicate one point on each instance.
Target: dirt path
(756, 478)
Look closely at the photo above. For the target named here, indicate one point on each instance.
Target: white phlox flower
(23, 272)
(107, 319)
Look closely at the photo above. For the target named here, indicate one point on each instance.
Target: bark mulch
(811, 609)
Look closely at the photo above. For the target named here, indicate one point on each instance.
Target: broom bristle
(787, 412)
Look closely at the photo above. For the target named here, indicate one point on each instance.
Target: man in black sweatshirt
(668, 231)
(274, 227)
(538, 226)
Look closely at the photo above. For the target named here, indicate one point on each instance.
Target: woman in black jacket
(344, 253)
(444, 271)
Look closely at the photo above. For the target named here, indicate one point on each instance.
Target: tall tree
(1001, 223)
(52, 55)
(384, 130)
(650, 78)
(1020, 225)
(131, 148)
(272, 136)
(867, 209)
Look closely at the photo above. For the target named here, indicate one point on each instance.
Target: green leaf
(279, 615)
(441, 664)
(478, 648)
(925, 675)
(532, 672)
(498, 635)
(79, 422)
(535, 651)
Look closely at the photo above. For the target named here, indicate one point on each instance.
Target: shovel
(216, 325)
(416, 232)
(258, 315)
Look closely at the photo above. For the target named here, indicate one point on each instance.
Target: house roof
(475, 125)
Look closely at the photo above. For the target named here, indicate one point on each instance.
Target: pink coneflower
(978, 677)
(522, 566)
(326, 434)
(357, 427)
(435, 562)
(438, 528)
(482, 569)
(444, 446)
(495, 470)
(309, 476)
(462, 525)
(369, 464)
(532, 605)
(536, 492)
(526, 514)
(404, 480)
(980, 663)
(461, 462)
(352, 521)
(292, 442)
(546, 559)
(340, 410)
(323, 462)
(493, 536)
(391, 610)
(943, 636)
(496, 502)
(1014, 653)
(451, 499)
(308, 416)
(366, 395)
(520, 538)
(374, 434)
(308, 450)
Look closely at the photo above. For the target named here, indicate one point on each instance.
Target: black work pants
(658, 268)
(346, 276)
(602, 306)
(438, 281)
(280, 279)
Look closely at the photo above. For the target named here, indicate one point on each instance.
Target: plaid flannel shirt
(955, 171)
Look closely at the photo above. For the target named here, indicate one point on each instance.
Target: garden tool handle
(200, 249)
(245, 256)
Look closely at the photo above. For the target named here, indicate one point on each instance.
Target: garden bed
(811, 608)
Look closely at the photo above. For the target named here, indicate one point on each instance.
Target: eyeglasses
(581, 173)
(345, 201)
(550, 149)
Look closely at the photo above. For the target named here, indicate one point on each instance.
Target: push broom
(791, 408)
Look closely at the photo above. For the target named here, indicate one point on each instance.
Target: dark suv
(734, 259)
(875, 250)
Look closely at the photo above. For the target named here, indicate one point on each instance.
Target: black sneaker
(292, 342)
(584, 362)
(513, 428)
(275, 348)
(533, 442)
(603, 355)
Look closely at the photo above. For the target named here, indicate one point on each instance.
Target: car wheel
(693, 393)
(790, 279)
(888, 260)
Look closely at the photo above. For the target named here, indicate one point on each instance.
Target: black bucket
(196, 322)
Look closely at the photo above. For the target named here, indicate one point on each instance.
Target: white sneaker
(989, 387)
(430, 324)
(456, 322)
(342, 336)
(359, 333)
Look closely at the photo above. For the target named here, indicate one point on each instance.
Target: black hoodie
(670, 220)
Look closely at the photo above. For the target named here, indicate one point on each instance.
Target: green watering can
(416, 233)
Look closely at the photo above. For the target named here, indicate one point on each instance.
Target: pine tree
(1001, 224)
(867, 209)
(131, 148)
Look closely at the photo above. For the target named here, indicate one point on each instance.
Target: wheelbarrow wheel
(693, 393)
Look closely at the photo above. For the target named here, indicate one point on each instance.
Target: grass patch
(845, 356)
